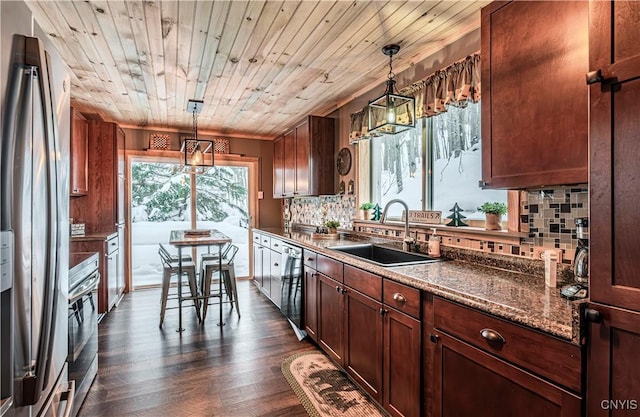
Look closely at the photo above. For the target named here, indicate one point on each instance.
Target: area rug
(324, 390)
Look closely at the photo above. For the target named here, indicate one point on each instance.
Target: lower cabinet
(402, 360)
(471, 383)
(364, 341)
(311, 302)
(331, 318)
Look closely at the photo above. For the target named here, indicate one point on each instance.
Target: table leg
(180, 329)
(221, 323)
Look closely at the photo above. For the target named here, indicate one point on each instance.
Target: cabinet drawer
(401, 297)
(309, 258)
(5, 253)
(265, 241)
(329, 267)
(257, 238)
(363, 281)
(112, 245)
(543, 354)
(276, 245)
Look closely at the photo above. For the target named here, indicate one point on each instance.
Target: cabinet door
(311, 303)
(266, 272)
(121, 276)
(289, 163)
(78, 167)
(303, 149)
(112, 277)
(278, 167)
(614, 148)
(120, 170)
(257, 265)
(613, 387)
(363, 347)
(275, 291)
(534, 97)
(331, 317)
(402, 343)
(471, 383)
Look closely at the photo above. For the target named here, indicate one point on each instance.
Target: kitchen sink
(382, 255)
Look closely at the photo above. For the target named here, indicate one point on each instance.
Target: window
(452, 144)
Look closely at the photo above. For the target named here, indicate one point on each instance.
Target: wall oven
(83, 323)
(291, 291)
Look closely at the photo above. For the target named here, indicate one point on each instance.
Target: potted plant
(332, 226)
(366, 207)
(493, 214)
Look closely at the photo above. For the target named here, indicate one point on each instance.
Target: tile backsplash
(547, 217)
(309, 210)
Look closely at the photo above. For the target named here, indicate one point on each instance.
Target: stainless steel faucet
(408, 241)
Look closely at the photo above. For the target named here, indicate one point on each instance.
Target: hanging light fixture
(196, 155)
(391, 113)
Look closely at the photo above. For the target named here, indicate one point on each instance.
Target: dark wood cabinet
(471, 383)
(364, 341)
(78, 179)
(110, 289)
(614, 148)
(613, 386)
(278, 167)
(534, 96)
(487, 366)
(303, 159)
(402, 360)
(311, 302)
(331, 318)
(613, 344)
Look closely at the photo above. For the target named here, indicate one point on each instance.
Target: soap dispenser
(434, 245)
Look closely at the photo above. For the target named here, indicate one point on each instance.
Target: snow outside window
(454, 161)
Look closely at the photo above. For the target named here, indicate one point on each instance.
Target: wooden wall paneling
(169, 13)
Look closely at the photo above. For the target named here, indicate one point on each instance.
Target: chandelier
(391, 113)
(196, 155)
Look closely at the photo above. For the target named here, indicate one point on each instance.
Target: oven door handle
(90, 285)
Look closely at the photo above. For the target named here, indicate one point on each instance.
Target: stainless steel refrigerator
(34, 218)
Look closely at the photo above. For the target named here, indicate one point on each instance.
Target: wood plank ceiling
(259, 66)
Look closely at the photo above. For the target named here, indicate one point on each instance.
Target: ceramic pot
(492, 221)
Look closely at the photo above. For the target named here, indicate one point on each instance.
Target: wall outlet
(260, 195)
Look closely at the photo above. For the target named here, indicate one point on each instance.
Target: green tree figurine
(377, 212)
(456, 217)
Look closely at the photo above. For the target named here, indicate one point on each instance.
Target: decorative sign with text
(425, 217)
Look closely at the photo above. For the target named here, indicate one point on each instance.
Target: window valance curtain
(454, 85)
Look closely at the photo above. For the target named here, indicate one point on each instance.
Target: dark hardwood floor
(148, 371)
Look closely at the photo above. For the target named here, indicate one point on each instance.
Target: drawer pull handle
(309, 259)
(492, 336)
(337, 288)
(399, 298)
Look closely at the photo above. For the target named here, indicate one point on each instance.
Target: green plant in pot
(493, 214)
(332, 226)
(366, 210)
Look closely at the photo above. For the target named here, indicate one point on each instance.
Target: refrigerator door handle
(33, 385)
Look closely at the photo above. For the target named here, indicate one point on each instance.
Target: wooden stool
(170, 269)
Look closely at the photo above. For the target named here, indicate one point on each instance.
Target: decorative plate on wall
(343, 161)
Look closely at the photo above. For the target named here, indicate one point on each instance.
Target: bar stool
(213, 256)
(171, 268)
(228, 275)
(174, 258)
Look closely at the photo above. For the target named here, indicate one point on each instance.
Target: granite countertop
(518, 297)
(94, 236)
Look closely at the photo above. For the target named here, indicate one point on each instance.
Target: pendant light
(391, 113)
(196, 155)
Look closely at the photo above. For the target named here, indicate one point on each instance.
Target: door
(363, 347)
(402, 342)
(303, 159)
(614, 149)
(311, 302)
(331, 317)
(613, 386)
(471, 383)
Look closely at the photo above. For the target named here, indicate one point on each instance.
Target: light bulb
(391, 113)
(197, 157)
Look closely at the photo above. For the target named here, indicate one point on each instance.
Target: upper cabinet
(534, 96)
(303, 159)
(78, 181)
